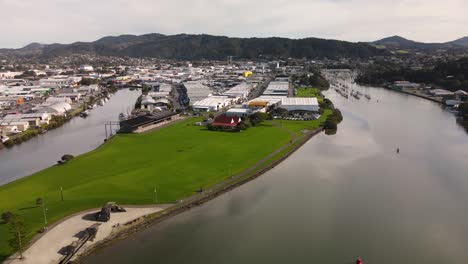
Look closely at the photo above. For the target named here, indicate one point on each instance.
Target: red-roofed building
(227, 121)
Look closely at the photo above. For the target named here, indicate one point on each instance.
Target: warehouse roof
(299, 101)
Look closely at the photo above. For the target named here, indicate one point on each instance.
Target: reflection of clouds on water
(327, 155)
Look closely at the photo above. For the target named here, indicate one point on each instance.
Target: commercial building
(240, 112)
(277, 89)
(307, 104)
(197, 91)
(212, 103)
(239, 91)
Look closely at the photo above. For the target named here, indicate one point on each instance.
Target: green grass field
(177, 160)
(309, 92)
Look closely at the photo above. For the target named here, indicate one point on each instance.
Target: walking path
(46, 249)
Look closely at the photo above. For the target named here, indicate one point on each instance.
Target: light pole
(155, 195)
(44, 212)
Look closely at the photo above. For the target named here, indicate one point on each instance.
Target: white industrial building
(240, 112)
(309, 104)
(239, 91)
(277, 89)
(197, 91)
(212, 103)
(59, 108)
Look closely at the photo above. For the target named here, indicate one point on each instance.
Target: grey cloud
(66, 21)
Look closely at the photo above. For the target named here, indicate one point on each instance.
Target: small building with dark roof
(147, 122)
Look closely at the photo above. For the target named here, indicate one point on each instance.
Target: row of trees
(331, 124)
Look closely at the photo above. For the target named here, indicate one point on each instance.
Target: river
(77, 136)
(336, 198)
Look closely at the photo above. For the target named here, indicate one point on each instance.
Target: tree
(67, 157)
(7, 216)
(39, 202)
(17, 233)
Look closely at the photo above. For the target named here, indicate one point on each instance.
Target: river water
(336, 198)
(76, 137)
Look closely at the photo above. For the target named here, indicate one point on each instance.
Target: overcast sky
(66, 21)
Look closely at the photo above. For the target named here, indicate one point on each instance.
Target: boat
(4, 139)
(85, 113)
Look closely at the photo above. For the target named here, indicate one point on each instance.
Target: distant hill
(194, 47)
(397, 42)
(460, 42)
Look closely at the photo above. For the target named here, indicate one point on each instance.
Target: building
(441, 92)
(34, 119)
(212, 103)
(59, 108)
(271, 101)
(307, 104)
(277, 88)
(53, 100)
(240, 91)
(406, 84)
(148, 103)
(197, 91)
(87, 68)
(226, 121)
(240, 112)
(73, 96)
(147, 122)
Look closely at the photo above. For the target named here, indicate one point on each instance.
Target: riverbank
(417, 93)
(197, 200)
(56, 122)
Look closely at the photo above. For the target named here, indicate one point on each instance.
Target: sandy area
(46, 249)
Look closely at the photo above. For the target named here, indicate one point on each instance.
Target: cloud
(65, 21)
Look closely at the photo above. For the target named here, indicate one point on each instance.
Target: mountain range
(195, 47)
(403, 43)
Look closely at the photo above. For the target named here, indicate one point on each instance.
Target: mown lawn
(177, 160)
(309, 92)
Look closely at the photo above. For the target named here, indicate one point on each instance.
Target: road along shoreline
(51, 246)
(124, 231)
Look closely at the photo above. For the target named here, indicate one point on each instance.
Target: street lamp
(155, 195)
